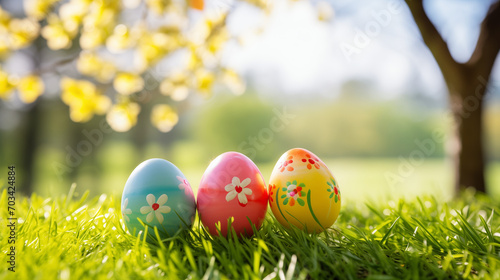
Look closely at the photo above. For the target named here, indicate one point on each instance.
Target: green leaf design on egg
(285, 201)
(301, 202)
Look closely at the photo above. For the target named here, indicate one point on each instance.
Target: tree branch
(55, 65)
(488, 43)
(433, 40)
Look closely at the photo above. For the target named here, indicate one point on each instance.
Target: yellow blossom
(56, 35)
(175, 86)
(30, 88)
(124, 37)
(217, 40)
(4, 32)
(325, 11)
(121, 39)
(204, 81)
(7, 84)
(211, 33)
(121, 117)
(4, 17)
(154, 46)
(72, 14)
(92, 38)
(128, 83)
(99, 23)
(22, 32)
(164, 117)
(38, 9)
(158, 6)
(90, 64)
(101, 14)
(101, 27)
(194, 60)
(83, 98)
(261, 4)
(4, 47)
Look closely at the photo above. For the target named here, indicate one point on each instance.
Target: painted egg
(159, 195)
(303, 192)
(233, 190)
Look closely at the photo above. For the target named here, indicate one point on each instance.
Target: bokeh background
(363, 106)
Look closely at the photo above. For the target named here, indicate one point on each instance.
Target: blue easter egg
(160, 196)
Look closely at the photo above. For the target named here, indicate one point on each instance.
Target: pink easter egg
(232, 188)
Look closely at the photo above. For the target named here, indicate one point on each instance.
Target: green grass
(68, 237)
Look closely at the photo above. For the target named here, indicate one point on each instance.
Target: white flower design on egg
(126, 211)
(237, 188)
(155, 208)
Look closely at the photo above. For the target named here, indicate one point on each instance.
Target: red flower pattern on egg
(333, 189)
(185, 186)
(311, 161)
(308, 197)
(271, 192)
(284, 164)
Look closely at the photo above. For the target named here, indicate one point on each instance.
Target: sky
(365, 39)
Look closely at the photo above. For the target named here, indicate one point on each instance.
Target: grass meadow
(413, 229)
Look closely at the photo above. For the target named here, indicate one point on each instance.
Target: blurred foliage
(100, 36)
(234, 124)
(492, 125)
(354, 127)
(343, 128)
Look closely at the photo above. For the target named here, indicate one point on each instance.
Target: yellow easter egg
(303, 192)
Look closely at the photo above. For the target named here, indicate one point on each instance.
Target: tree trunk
(468, 151)
(30, 138)
(466, 84)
